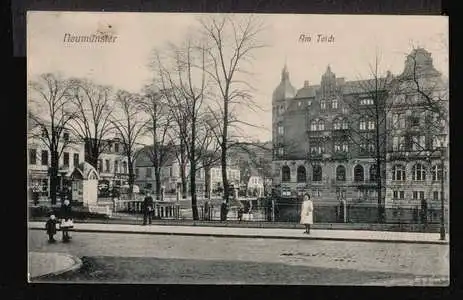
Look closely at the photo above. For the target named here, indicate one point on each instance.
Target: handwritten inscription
(316, 38)
(91, 38)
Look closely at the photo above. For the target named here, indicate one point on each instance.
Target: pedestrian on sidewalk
(307, 213)
(147, 208)
(50, 227)
(66, 220)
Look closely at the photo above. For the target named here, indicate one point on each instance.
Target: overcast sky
(123, 64)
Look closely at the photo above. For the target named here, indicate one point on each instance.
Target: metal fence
(268, 210)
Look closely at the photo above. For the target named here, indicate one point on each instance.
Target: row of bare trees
(188, 109)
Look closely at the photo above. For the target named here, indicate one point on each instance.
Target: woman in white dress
(307, 213)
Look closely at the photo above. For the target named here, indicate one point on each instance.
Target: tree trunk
(131, 177)
(194, 204)
(207, 181)
(157, 175)
(54, 180)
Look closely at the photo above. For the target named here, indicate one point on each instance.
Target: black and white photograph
(238, 149)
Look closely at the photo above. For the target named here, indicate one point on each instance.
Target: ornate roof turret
(419, 62)
(284, 90)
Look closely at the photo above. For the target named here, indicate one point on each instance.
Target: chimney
(306, 83)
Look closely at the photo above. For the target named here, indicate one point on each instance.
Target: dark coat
(66, 212)
(148, 202)
(50, 226)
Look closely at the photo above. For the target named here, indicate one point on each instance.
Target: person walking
(307, 213)
(66, 220)
(147, 208)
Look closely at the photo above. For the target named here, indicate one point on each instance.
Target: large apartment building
(327, 141)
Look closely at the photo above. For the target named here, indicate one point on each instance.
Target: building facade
(170, 175)
(334, 139)
(39, 160)
(112, 164)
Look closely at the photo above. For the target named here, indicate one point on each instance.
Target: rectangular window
(66, 136)
(344, 110)
(322, 104)
(281, 130)
(309, 103)
(395, 143)
(281, 151)
(337, 147)
(395, 194)
(371, 125)
(435, 195)
(402, 194)
(415, 195)
(421, 195)
(116, 166)
(116, 147)
(148, 172)
(44, 158)
(345, 147)
(100, 165)
(107, 166)
(76, 160)
(137, 171)
(66, 159)
(32, 156)
(363, 125)
(334, 104)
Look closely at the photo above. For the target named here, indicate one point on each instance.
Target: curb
(77, 265)
(259, 236)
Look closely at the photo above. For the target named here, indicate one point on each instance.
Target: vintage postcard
(238, 148)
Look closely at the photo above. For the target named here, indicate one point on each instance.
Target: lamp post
(442, 218)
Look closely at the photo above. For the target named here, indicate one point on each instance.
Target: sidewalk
(275, 233)
(42, 264)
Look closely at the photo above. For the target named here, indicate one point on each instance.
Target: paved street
(115, 257)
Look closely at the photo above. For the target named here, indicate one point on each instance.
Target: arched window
(398, 173)
(358, 173)
(418, 172)
(321, 125)
(373, 173)
(317, 173)
(301, 174)
(436, 173)
(285, 174)
(341, 173)
(313, 126)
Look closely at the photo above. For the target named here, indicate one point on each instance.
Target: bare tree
(129, 124)
(188, 78)
(50, 116)
(160, 122)
(171, 94)
(231, 44)
(369, 106)
(93, 106)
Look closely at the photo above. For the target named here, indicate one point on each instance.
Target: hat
(52, 216)
(66, 202)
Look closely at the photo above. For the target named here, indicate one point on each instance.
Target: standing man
(147, 208)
